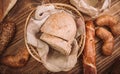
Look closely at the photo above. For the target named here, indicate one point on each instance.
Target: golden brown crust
(108, 40)
(106, 20)
(116, 29)
(109, 21)
(17, 60)
(89, 58)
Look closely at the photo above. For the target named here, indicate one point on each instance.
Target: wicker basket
(77, 14)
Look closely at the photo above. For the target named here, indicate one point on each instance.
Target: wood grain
(19, 14)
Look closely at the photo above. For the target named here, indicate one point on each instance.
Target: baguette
(89, 57)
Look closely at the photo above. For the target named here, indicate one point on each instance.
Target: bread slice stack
(59, 31)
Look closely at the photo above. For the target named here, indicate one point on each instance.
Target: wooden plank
(18, 15)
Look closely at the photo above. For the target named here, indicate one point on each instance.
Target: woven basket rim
(36, 56)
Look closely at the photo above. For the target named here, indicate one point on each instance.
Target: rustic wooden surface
(18, 15)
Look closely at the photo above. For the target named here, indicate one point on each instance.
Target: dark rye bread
(7, 31)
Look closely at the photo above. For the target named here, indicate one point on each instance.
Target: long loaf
(89, 57)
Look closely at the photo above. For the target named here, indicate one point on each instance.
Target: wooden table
(18, 15)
